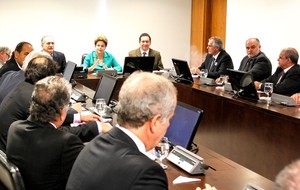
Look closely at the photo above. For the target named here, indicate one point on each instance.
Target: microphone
(206, 167)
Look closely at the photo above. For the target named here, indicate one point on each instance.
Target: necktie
(248, 65)
(144, 54)
(211, 64)
(281, 77)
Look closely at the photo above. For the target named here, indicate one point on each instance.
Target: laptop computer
(183, 125)
(105, 88)
(132, 64)
(112, 72)
(183, 72)
(283, 100)
(242, 84)
(69, 70)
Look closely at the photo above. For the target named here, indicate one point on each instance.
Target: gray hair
(44, 38)
(32, 55)
(217, 42)
(292, 53)
(289, 177)
(144, 95)
(5, 49)
(49, 96)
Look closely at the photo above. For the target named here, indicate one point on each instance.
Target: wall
(274, 22)
(75, 24)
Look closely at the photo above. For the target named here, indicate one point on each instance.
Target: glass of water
(162, 149)
(268, 90)
(100, 106)
(203, 73)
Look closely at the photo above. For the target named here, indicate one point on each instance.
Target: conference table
(229, 175)
(254, 135)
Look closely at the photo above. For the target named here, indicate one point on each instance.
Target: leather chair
(83, 57)
(10, 176)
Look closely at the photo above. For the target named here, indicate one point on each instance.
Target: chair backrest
(83, 57)
(10, 175)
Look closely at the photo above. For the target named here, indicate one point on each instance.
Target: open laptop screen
(69, 70)
(243, 85)
(183, 71)
(132, 64)
(105, 88)
(183, 125)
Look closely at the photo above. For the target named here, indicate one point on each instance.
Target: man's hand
(105, 127)
(257, 84)
(296, 97)
(90, 117)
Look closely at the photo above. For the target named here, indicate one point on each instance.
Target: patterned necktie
(281, 77)
(211, 64)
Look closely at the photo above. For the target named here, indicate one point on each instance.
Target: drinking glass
(100, 106)
(268, 90)
(162, 149)
(203, 73)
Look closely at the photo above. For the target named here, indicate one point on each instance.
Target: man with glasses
(217, 60)
(4, 55)
(16, 61)
(286, 79)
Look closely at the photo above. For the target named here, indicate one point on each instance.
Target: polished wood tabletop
(228, 175)
(259, 137)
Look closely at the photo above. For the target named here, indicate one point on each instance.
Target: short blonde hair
(101, 38)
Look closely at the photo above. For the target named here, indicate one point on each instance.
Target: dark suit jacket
(220, 67)
(290, 82)
(10, 65)
(61, 61)
(15, 106)
(113, 161)
(9, 81)
(260, 66)
(157, 62)
(43, 154)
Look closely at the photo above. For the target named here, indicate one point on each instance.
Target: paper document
(181, 179)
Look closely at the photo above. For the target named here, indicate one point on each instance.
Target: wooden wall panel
(208, 19)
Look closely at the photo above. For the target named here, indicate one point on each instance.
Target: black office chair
(10, 176)
(83, 57)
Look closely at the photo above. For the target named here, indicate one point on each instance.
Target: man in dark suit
(44, 154)
(11, 79)
(217, 61)
(286, 79)
(256, 62)
(48, 45)
(116, 159)
(145, 50)
(16, 61)
(15, 105)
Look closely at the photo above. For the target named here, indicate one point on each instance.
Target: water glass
(100, 106)
(268, 90)
(162, 149)
(203, 73)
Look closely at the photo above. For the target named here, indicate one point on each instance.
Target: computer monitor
(69, 70)
(105, 88)
(183, 125)
(183, 72)
(132, 64)
(242, 84)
